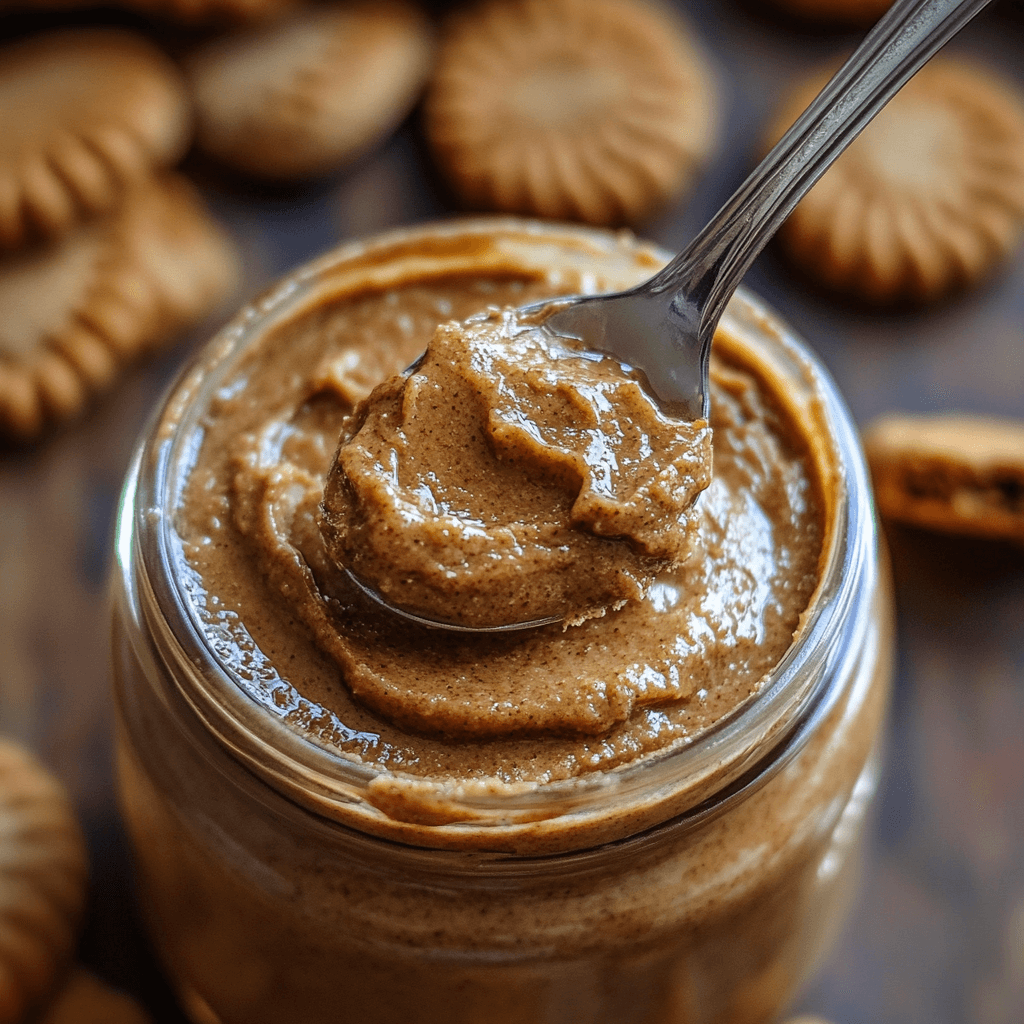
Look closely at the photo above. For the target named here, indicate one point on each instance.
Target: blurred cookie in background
(43, 878)
(75, 310)
(954, 473)
(311, 91)
(87, 114)
(591, 110)
(927, 200)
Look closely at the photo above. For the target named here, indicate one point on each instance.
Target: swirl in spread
(510, 478)
(532, 707)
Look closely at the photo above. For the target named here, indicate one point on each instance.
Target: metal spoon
(664, 326)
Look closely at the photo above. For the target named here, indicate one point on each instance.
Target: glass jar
(698, 885)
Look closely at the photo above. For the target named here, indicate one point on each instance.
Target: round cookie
(591, 110)
(84, 999)
(87, 114)
(929, 197)
(307, 93)
(78, 308)
(42, 881)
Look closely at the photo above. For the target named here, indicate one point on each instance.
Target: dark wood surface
(938, 935)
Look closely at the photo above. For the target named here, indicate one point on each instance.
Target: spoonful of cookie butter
(510, 477)
(540, 465)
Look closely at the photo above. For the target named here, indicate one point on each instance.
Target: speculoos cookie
(311, 91)
(590, 110)
(87, 114)
(43, 877)
(78, 308)
(954, 473)
(926, 201)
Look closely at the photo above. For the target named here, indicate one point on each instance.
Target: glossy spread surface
(509, 478)
(522, 708)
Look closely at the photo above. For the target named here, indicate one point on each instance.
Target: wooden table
(938, 937)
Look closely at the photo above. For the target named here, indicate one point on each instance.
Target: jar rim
(737, 753)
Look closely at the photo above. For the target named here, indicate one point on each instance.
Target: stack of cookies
(104, 251)
(593, 110)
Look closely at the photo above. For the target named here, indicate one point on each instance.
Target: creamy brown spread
(534, 707)
(510, 478)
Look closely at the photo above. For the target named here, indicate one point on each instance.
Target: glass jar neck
(693, 781)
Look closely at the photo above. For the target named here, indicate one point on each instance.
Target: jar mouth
(737, 753)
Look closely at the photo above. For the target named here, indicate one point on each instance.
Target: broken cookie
(954, 473)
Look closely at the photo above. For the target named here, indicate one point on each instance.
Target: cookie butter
(510, 477)
(551, 703)
(649, 815)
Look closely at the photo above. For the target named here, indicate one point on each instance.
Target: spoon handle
(705, 274)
